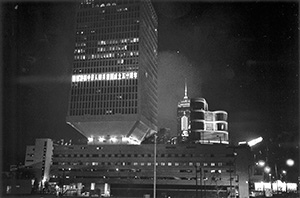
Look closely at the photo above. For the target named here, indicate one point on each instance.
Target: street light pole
(154, 168)
(196, 181)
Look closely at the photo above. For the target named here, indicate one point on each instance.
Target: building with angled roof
(113, 96)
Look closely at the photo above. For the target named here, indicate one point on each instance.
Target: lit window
(169, 164)
(162, 163)
(204, 164)
(135, 163)
(191, 164)
(212, 164)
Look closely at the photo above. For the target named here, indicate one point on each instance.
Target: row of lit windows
(140, 155)
(109, 5)
(104, 76)
(120, 57)
(105, 49)
(105, 86)
(204, 164)
(133, 170)
(88, 67)
(105, 36)
(107, 33)
(97, 4)
(213, 178)
(130, 44)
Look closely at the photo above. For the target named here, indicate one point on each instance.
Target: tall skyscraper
(197, 124)
(113, 97)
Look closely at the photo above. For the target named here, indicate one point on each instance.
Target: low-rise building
(182, 170)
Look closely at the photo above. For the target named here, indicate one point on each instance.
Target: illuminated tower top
(113, 97)
(185, 91)
(183, 117)
(195, 123)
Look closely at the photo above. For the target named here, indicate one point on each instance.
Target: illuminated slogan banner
(104, 76)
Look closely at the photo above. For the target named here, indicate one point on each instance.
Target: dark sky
(240, 57)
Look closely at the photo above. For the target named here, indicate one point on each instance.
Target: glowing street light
(261, 163)
(267, 169)
(290, 162)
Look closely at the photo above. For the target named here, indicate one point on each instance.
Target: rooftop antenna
(185, 90)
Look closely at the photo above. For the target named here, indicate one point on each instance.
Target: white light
(255, 141)
(290, 162)
(90, 139)
(241, 143)
(104, 76)
(101, 139)
(284, 172)
(267, 169)
(261, 163)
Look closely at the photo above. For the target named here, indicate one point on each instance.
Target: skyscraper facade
(113, 97)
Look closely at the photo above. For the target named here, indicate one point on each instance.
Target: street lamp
(261, 163)
(290, 162)
(198, 169)
(154, 168)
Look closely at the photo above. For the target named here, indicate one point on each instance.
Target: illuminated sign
(104, 76)
(184, 123)
(275, 186)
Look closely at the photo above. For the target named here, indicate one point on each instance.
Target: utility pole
(154, 168)
(196, 181)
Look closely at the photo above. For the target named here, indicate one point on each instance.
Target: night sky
(240, 57)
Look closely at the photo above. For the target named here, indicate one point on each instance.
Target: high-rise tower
(113, 97)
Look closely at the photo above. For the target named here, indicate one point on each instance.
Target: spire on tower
(185, 90)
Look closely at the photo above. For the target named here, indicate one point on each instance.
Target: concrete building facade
(39, 158)
(182, 170)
